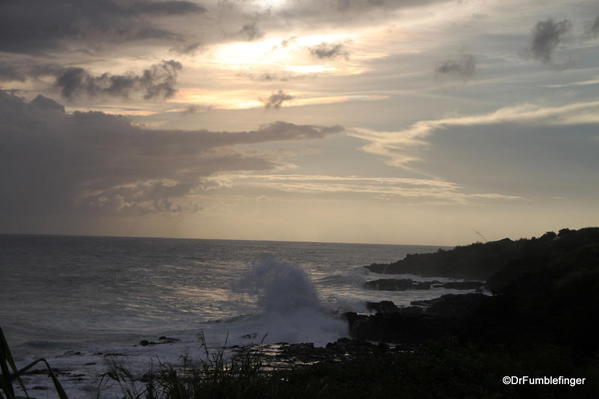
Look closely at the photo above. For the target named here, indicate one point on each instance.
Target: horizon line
(216, 239)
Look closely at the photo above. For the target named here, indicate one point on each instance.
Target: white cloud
(407, 189)
(401, 147)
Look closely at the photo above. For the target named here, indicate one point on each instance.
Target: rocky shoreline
(540, 319)
(389, 284)
(546, 296)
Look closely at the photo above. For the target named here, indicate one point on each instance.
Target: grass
(445, 369)
(216, 376)
(10, 373)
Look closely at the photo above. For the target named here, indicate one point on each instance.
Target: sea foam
(289, 306)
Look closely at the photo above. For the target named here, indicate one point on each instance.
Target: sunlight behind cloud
(246, 99)
(279, 51)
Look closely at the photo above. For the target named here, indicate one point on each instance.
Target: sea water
(76, 300)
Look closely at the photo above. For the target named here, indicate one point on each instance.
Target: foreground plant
(10, 373)
(216, 376)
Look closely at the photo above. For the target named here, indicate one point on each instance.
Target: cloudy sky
(383, 121)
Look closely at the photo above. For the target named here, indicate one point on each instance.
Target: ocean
(75, 300)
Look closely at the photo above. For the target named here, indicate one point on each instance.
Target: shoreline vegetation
(541, 319)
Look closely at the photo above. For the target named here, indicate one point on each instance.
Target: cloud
(195, 109)
(9, 72)
(346, 10)
(251, 32)
(188, 47)
(93, 163)
(398, 146)
(156, 82)
(276, 100)
(528, 150)
(37, 26)
(329, 51)
(161, 7)
(393, 188)
(275, 76)
(594, 28)
(546, 36)
(461, 67)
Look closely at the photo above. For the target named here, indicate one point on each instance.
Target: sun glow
(246, 99)
(310, 68)
(272, 3)
(279, 52)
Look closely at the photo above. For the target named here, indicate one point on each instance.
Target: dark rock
(480, 261)
(168, 340)
(547, 293)
(410, 310)
(462, 285)
(399, 284)
(249, 336)
(161, 340)
(397, 327)
(408, 284)
(382, 307)
(432, 319)
(457, 306)
(476, 261)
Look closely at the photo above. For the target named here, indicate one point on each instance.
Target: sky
(436, 122)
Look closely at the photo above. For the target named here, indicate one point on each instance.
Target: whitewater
(82, 301)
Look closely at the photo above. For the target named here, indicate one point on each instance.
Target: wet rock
(382, 307)
(397, 327)
(161, 340)
(408, 284)
(457, 306)
(463, 285)
(168, 340)
(389, 284)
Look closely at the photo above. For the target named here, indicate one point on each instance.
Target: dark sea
(77, 300)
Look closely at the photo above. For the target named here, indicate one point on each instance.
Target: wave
(289, 308)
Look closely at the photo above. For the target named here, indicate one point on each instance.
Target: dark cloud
(347, 10)
(546, 36)
(93, 163)
(158, 81)
(461, 67)
(47, 104)
(251, 32)
(195, 109)
(594, 29)
(329, 50)
(35, 26)
(267, 77)
(187, 47)
(21, 70)
(10, 73)
(160, 7)
(276, 76)
(276, 100)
